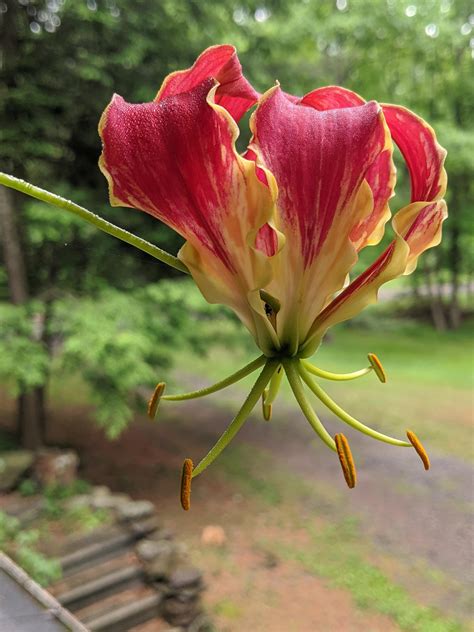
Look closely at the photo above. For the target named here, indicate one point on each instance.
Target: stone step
(123, 615)
(101, 587)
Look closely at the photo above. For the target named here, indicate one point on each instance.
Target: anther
(266, 408)
(416, 443)
(345, 457)
(377, 367)
(186, 477)
(155, 399)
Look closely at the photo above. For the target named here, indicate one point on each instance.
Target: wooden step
(101, 587)
(86, 575)
(94, 553)
(122, 619)
(122, 612)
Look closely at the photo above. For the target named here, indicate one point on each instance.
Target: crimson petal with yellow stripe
(175, 158)
(234, 93)
(417, 226)
(320, 160)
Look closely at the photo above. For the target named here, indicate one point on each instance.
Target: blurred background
(88, 325)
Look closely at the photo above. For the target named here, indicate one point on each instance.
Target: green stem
(300, 396)
(232, 379)
(337, 377)
(344, 416)
(92, 218)
(240, 418)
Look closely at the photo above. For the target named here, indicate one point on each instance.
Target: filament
(344, 416)
(300, 396)
(218, 386)
(238, 421)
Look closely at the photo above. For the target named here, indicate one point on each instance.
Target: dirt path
(420, 522)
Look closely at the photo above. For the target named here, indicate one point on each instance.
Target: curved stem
(344, 416)
(232, 379)
(240, 418)
(294, 379)
(92, 218)
(274, 387)
(337, 377)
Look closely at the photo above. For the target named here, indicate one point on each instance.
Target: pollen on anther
(377, 367)
(154, 401)
(186, 478)
(416, 443)
(345, 458)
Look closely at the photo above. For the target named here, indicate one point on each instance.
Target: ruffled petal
(319, 160)
(423, 154)
(176, 159)
(381, 175)
(221, 63)
(418, 227)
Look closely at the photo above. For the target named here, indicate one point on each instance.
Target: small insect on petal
(416, 443)
(266, 408)
(186, 477)
(346, 460)
(377, 367)
(154, 401)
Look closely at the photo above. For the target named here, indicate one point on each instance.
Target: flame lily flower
(274, 233)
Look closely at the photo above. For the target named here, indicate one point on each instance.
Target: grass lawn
(429, 387)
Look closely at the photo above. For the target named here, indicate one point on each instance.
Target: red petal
(423, 155)
(418, 227)
(319, 160)
(380, 176)
(332, 98)
(222, 64)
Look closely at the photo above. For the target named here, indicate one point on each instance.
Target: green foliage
(122, 342)
(21, 545)
(23, 361)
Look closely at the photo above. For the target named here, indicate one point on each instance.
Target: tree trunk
(30, 404)
(436, 305)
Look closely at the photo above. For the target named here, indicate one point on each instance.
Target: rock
(100, 491)
(135, 510)
(109, 501)
(178, 613)
(79, 501)
(185, 577)
(159, 558)
(13, 466)
(56, 467)
(213, 535)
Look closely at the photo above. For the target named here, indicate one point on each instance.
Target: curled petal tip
(416, 443)
(186, 477)
(347, 462)
(377, 367)
(155, 399)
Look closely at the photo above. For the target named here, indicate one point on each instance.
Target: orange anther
(186, 478)
(155, 399)
(416, 443)
(377, 367)
(346, 460)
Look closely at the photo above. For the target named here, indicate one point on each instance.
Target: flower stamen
(336, 377)
(186, 478)
(266, 408)
(416, 443)
(377, 367)
(238, 421)
(218, 386)
(154, 400)
(294, 379)
(347, 462)
(344, 416)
